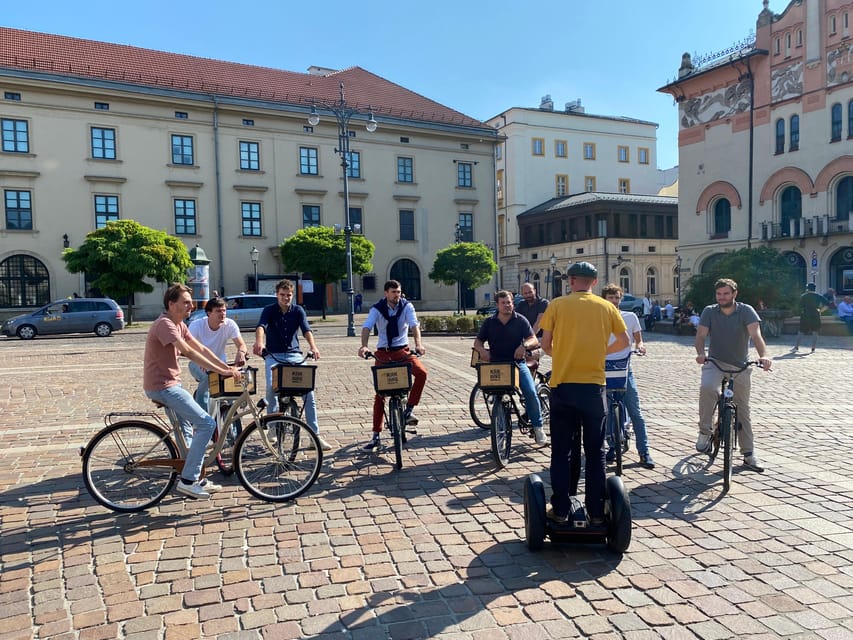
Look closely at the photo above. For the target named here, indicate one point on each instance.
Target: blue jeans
(202, 392)
(631, 399)
(531, 398)
(272, 400)
(195, 423)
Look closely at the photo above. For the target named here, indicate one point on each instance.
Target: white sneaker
(325, 446)
(751, 462)
(209, 485)
(703, 443)
(539, 435)
(194, 490)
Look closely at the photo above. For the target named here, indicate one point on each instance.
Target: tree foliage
(762, 274)
(123, 254)
(320, 252)
(468, 263)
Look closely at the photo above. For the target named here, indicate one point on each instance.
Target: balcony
(814, 226)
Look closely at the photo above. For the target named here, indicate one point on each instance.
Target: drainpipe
(219, 243)
(751, 151)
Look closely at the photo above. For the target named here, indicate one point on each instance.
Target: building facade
(766, 144)
(222, 156)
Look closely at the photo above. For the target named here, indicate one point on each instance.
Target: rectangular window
(310, 215)
(106, 209)
(561, 149)
(643, 155)
(12, 95)
(248, 122)
(589, 183)
(19, 210)
(562, 183)
(500, 187)
(250, 156)
(499, 151)
(405, 169)
(182, 150)
(185, 217)
(102, 106)
(103, 143)
(16, 137)
(624, 185)
(466, 227)
(356, 219)
(354, 165)
(308, 164)
(182, 115)
(538, 146)
(622, 153)
(250, 213)
(464, 174)
(407, 224)
(589, 151)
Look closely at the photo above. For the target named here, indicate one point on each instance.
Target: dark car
(491, 307)
(244, 309)
(632, 303)
(100, 316)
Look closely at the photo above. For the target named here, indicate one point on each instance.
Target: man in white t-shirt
(214, 332)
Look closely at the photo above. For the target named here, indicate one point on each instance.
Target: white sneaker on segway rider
(703, 443)
(539, 435)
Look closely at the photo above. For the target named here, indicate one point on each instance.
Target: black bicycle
(616, 434)
(393, 381)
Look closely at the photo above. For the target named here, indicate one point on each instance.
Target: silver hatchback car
(101, 316)
(244, 309)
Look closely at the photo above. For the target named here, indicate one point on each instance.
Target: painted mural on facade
(839, 65)
(715, 105)
(786, 82)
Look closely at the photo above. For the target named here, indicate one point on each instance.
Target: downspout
(751, 151)
(217, 180)
(497, 248)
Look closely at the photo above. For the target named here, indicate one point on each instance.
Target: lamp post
(678, 276)
(255, 254)
(458, 237)
(343, 113)
(553, 281)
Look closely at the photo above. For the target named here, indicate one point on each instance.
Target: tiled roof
(55, 54)
(597, 196)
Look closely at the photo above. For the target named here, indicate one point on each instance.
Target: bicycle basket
(392, 379)
(293, 379)
(497, 376)
(222, 387)
(616, 373)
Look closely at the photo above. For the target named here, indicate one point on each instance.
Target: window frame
(17, 144)
(251, 218)
(537, 146)
(249, 155)
(794, 132)
(564, 179)
(179, 141)
(309, 161)
(19, 210)
(466, 226)
(586, 183)
(354, 165)
(780, 136)
(189, 218)
(565, 148)
(103, 148)
(835, 123)
(850, 120)
(623, 182)
(644, 155)
(623, 153)
(405, 170)
(107, 209)
(407, 225)
(588, 151)
(465, 175)
(311, 215)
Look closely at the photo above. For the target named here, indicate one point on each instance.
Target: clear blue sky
(479, 58)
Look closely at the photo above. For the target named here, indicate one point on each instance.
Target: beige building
(222, 155)
(766, 144)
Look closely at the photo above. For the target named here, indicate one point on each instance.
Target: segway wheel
(534, 512)
(618, 514)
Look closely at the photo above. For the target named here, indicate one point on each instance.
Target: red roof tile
(44, 52)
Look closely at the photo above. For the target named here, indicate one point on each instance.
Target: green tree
(122, 254)
(470, 264)
(321, 253)
(761, 273)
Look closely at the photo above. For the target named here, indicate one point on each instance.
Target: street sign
(814, 259)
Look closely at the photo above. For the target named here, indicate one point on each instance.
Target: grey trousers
(709, 392)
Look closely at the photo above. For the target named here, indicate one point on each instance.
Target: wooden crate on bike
(475, 358)
(222, 387)
(392, 379)
(293, 379)
(497, 376)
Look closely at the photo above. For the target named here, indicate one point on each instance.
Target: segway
(615, 531)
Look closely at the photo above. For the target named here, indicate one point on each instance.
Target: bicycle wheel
(396, 424)
(618, 434)
(544, 393)
(480, 406)
(727, 437)
(279, 459)
(501, 432)
(128, 466)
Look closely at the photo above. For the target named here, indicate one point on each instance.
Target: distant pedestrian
(357, 301)
(668, 310)
(811, 305)
(845, 313)
(831, 300)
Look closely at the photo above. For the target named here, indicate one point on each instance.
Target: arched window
(795, 133)
(536, 281)
(780, 135)
(844, 199)
(24, 282)
(625, 280)
(722, 217)
(409, 276)
(652, 281)
(836, 122)
(791, 209)
(850, 119)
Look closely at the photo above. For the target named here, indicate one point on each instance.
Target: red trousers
(419, 373)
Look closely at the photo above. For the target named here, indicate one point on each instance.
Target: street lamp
(255, 254)
(553, 281)
(343, 113)
(678, 276)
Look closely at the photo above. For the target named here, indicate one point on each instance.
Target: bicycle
(616, 433)
(133, 462)
(393, 381)
(726, 426)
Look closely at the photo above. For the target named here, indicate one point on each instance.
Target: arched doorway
(710, 261)
(791, 208)
(625, 280)
(798, 266)
(844, 198)
(408, 275)
(841, 271)
(556, 284)
(24, 282)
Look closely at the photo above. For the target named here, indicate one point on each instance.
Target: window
(310, 215)
(499, 183)
(250, 214)
(722, 218)
(356, 219)
(561, 148)
(795, 133)
(464, 174)
(651, 281)
(406, 272)
(799, 37)
(844, 199)
(787, 44)
(538, 146)
(308, 161)
(182, 115)
(643, 155)
(307, 128)
(791, 209)
(354, 165)
(407, 224)
(562, 185)
(499, 151)
(850, 119)
(625, 280)
(622, 154)
(106, 210)
(405, 170)
(19, 210)
(780, 135)
(589, 151)
(589, 183)
(103, 143)
(24, 282)
(777, 46)
(466, 227)
(832, 26)
(182, 149)
(16, 138)
(836, 124)
(250, 156)
(624, 185)
(404, 139)
(185, 217)
(248, 122)
(12, 95)
(102, 106)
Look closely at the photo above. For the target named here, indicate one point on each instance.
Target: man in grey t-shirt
(730, 325)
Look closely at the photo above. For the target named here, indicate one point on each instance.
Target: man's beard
(728, 304)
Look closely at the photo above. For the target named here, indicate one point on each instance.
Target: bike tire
(727, 436)
(544, 393)
(112, 471)
(501, 433)
(480, 406)
(278, 459)
(396, 424)
(618, 434)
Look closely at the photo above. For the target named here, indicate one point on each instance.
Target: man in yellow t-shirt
(576, 330)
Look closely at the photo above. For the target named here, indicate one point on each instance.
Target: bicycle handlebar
(369, 354)
(744, 367)
(307, 356)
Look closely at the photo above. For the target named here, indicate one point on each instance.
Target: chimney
(574, 107)
(546, 104)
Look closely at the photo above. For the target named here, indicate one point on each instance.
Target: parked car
(244, 309)
(73, 315)
(632, 303)
(491, 307)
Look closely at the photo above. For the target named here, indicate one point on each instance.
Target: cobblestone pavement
(436, 549)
